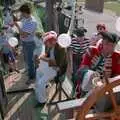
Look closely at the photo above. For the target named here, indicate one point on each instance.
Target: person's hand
(96, 81)
(44, 58)
(52, 62)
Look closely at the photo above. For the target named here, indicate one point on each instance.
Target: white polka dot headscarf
(50, 36)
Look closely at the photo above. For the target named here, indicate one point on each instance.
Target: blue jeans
(28, 48)
(76, 62)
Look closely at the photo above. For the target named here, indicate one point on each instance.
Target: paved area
(92, 18)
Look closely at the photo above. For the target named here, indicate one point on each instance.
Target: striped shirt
(28, 25)
(101, 64)
(79, 47)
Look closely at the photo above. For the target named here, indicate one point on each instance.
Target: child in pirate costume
(78, 46)
(55, 56)
(95, 39)
(102, 60)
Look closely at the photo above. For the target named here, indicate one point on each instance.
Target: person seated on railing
(56, 57)
(95, 39)
(103, 60)
(77, 48)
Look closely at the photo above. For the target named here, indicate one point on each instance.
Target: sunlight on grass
(113, 6)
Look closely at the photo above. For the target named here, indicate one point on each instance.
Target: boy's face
(101, 29)
(24, 15)
(107, 47)
(81, 38)
(50, 44)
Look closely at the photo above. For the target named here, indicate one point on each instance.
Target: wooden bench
(83, 105)
(67, 107)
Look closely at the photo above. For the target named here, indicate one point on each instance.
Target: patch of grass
(113, 6)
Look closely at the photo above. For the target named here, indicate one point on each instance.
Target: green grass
(113, 6)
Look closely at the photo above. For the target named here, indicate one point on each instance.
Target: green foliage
(1, 17)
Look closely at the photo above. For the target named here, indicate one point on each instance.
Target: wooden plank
(72, 104)
(67, 86)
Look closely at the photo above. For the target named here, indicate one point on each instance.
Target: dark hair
(25, 8)
(80, 32)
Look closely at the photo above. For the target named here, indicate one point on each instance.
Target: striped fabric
(108, 66)
(102, 64)
(98, 64)
(79, 47)
(29, 25)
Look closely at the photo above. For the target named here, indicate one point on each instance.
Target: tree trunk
(52, 18)
(95, 5)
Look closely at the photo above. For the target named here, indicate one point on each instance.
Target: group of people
(84, 59)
